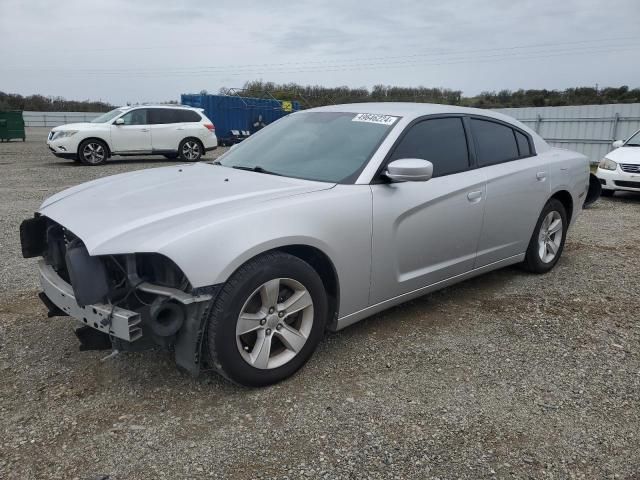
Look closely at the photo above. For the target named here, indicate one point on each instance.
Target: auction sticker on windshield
(374, 118)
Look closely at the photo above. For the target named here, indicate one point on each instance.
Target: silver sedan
(319, 220)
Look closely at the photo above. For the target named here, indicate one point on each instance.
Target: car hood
(121, 213)
(625, 155)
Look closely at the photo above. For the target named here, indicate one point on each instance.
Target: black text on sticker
(374, 118)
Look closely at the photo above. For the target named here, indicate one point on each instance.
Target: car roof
(410, 109)
(181, 107)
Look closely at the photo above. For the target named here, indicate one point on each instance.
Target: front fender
(336, 222)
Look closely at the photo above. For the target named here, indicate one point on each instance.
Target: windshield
(105, 117)
(634, 141)
(324, 146)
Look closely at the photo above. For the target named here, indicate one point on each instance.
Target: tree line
(40, 103)
(315, 95)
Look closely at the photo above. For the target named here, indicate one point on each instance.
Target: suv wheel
(190, 150)
(547, 241)
(93, 152)
(267, 320)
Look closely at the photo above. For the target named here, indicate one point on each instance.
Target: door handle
(541, 176)
(475, 196)
(180, 128)
(144, 129)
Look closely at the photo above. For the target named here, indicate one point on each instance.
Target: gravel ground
(508, 375)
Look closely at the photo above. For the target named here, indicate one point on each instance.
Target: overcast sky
(153, 50)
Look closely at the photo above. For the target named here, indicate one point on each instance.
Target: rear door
(426, 232)
(134, 136)
(517, 188)
(167, 129)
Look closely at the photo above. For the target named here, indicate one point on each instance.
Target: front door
(134, 136)
(426, 232)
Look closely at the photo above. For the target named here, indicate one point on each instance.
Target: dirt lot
(505, 376)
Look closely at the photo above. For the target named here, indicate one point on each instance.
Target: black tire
(93, 152)
(533, 261)
(190, 150)
(607, 193)
(223, 350)
(171, 156)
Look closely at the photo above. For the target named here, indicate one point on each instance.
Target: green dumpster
(11, 126)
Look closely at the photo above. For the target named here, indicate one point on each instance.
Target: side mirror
(618, 143)
(119, 121)
(409, 170)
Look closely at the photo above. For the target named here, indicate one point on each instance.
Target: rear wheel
(547, 241)
(93, 152)
(190, 150)
(607, 193)
(267, 320)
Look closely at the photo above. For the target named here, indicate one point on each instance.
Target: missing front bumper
(115, 321)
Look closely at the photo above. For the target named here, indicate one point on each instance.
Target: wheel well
(95, 138)
(565, 198)
(325, 268)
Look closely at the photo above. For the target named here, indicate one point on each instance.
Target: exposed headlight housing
(607, 164)
(63, 134)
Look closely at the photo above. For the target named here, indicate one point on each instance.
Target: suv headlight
(607, 164)
(63, 134)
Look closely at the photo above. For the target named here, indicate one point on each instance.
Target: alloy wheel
(93, 153)
(191, 150)
(550, 237)
(274, 323)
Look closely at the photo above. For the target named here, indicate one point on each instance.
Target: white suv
(172, 131)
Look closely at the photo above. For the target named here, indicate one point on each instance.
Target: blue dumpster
(237, 117)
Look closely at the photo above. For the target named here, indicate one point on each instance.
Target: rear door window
(495, 142)
(442, 141)
(161, 116)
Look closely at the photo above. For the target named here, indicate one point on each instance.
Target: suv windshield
(634, 141)
(105, 117)
(324, 146)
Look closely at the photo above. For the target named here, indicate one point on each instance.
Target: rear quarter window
(188, 116)
(523, 144)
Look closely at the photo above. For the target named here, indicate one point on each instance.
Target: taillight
(210, 127)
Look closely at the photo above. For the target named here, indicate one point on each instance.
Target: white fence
(588, 129)
(54, 119)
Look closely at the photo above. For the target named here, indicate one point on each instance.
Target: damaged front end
(128, 302)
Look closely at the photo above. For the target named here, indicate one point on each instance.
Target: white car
(620, 168)
(172, 131)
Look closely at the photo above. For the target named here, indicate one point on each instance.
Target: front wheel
(190, 150)
(93, 152)
(547, 241)
(267, 320)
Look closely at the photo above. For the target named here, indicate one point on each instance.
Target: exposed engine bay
(127, 302)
